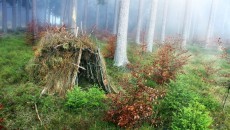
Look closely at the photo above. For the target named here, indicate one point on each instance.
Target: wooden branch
(226, 97)
(36, 109)
(43, 91)
(79, 66)
(60, 45)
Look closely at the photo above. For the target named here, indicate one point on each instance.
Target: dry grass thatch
(60, 57)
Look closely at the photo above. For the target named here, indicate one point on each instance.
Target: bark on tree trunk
(187, 23)
(63, 11)
(107, 15)
(19, 13)
(116, 10)
(27, 12)
(45, 12)
(4, 16)
(34, 17)
(210, 23)
(120, 57)
(164, 22)
(97, 16)
(139, 22)
(152, 23)
(85, 14)
(74, 18)
(70, 13)
(14, 16)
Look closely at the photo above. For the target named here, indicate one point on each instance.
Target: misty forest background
(17, 14)
(115, 64)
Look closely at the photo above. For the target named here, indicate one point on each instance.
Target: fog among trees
(115, 64)
(194, 20)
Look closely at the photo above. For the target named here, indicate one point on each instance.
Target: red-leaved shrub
(168, 62)
(110, 47)
(1, 119)
(134, 107)
(30, 35)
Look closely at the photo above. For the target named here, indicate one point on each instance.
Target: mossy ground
(19, 95)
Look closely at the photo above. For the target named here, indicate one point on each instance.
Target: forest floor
(20, 96)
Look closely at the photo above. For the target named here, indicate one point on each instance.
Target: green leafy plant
(193, 117)
(80, 99)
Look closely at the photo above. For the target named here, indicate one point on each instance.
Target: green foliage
(176, 98)
(185, 96)
(193, 117)
(80, 99)
(151, 83)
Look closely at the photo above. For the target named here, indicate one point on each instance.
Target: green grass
(13, 58)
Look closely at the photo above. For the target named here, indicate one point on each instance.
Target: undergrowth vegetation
(79, 99)
(167, 89)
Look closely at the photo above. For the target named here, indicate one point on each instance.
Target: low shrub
(173, 101)
(91, 99)
(1, 118)
(168, 62)
(134, 107)
(182, 94)
(193, 117)
(110, 47)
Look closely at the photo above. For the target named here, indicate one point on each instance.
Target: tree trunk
(4, 16)
(107, 16)
(139, 22)
(19, 13)
(45, 12)
(164, 22)
(70, 13)
(193, 28)
(27, 12)
(97, 16)
(225, 21)
(120, 58)
(49, 12)
(187, 23)
(55, 20)
(116, 9)
(34, 18)
(85, 14)
(63, 2)
(152, 23)
(74, 18)
(14, 16)
(210, 23)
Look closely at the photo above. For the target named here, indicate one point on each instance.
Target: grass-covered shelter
(62, 60)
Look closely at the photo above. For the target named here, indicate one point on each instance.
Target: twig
(60, 45)
(79, 66)
(94, 27)
(36, 108)
(43, 91)
(226, 97)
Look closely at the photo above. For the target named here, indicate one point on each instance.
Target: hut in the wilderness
(62, 60)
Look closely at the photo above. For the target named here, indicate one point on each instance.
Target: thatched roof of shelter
(59, 59)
